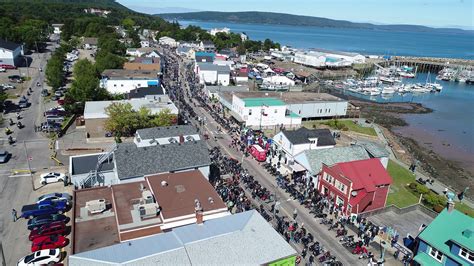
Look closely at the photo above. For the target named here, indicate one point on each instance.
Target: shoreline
(388, 116)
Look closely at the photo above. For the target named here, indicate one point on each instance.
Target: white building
(315, 105)
(10, 53)
(119, 81)
(313, 59)
(244, 37)
(276, 82)
(57, 28)
(168, 41)
(213, 74)
(214, 31)
(165, 135)
(144, 43)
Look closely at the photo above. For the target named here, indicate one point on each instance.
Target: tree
(122, 119)
(54, 72)
(128, 23)
(106, 60)
(164, 118)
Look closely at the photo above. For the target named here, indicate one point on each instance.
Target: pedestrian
(295, 213)
(14, 215)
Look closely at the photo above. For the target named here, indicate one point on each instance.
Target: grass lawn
(349, 124)
(464, 209)
(399, 194)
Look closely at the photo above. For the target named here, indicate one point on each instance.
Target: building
(117, 81)
(447, 240)
(142, 208)
(95, 114)
(312, 160)
(243, 238)
(89, 43)
(144, 43)
(213, 91)
(97, 12)
(293, 142)
(143, 52)
(240, 75)
(168, 41)
(351, 58)
(152, 92)
(224, 30)
(144, 63)
(312, 59)
(209, 73)
(259, 112)
(375, 150)
(276, 82)
(10, 53)
(207, 46)
(165, 135)
(57, 28)
(357, 186)
(204, 57)
(185, 51)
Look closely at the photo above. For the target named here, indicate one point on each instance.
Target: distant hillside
(253, 17)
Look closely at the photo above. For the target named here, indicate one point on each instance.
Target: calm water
(357, 40)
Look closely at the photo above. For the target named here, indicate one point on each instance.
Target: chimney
(199, 217)
(181, 139)
(198, 211)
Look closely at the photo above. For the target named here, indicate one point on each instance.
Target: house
(204, 57)
(244, 37)
(143, 52)
(276, 82)
(57, 28)
(168, 41)
(214, 31)
(165, 135)
(375, 150)
(152, 92)
(356, 186)
(142, 208)
(97, 12)
(144, 63)
(447, 240)
(207, 46)
(117, 81)
(10, 53)
(209, 73)
(89, 43)
(259, 112)
(185, 51)
(240, 75)
(243, 237)
(95, 115)
(312, 160)
(293, 142)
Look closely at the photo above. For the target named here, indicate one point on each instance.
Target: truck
(42, 208)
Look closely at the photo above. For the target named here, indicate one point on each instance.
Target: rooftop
(292, 97)
(241, 238)
(144, 91)
(302, 136)
(166, 132)
(90, 40)
(96, 109)
(129, 74)
(450, 227)
(147, 60)
(84, 164)
(215, 89)
(8, 45)
(200, 53)
(206, 66)
(177, 197)
(257, 102)
(375, 149)
(132, 161)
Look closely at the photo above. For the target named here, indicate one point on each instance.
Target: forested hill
(253, 17)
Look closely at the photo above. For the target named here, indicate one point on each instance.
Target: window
(466, 254)
(312, 141)
(436, 254)
(250, 111)
(115, 85)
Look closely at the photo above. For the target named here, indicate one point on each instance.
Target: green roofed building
(448, 240)
(256, 102)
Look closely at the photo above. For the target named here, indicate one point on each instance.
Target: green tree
(106, 60)
(54, 72)
(122, 119)
(128, 23)
(164, 118)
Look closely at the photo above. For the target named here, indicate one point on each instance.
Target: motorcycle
(11, 140)
(11, 122)
(8, 131)
(19, 124)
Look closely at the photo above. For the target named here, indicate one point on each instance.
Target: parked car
(49, 242)
(54, 119)
(44, 93)
(15, 78)
(4, 156)
(52, 178)
(55, 196)
(46, 219)
(58, 93)
(41, 257)
(2, 69)
(46, 207)
(5, 66)
(54, 228)
(23, 103)
(7, 86)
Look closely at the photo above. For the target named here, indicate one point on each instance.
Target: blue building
(448, 240)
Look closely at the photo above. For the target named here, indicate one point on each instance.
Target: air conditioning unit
(147, 197)
(96, 206)
(148, 210)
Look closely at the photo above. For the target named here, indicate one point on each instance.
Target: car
(54, 228)
(38, 221)
(58, 93)
(44, 93)
(2, 69)
(50, 127)
(41, 257)
(49, 242)
(45, 207)
(5, 66)
(52, 177)
(23, 103)
(8, 86)
(54, 119)
(4, 156)
(55, 196)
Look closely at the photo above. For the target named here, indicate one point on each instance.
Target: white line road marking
(19, 175)
(57, 145)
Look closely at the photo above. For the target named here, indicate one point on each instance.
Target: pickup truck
(42, 208)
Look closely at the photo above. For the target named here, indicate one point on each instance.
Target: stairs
(95, 178)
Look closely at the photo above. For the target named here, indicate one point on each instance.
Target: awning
(297, 167)
(236, 116)
(425, 259)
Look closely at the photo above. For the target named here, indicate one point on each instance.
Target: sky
(436, 13)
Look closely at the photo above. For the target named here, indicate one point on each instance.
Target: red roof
(364, 173)
(355, 200)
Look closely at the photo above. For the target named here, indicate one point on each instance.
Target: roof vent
(164, 183)
(197, 205)
(142, 187)
(211, 200)
(467, 233)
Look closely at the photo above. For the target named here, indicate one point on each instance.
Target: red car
(5, 66)
(54, 228)
(48, 242)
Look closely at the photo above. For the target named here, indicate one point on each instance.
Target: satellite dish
(354, 193)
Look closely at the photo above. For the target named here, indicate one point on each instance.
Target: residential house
(214, 31)
(143, 52)
(165, 135)
(185, 51)
(118, 81)
(240, 75)
(89, 43)
(57, 28)
(168, 41)
(144, 63)
(151, 92)
(447, 240)
(312, 160)
(207, 46)
(292, 142)
(209, 73)
(10, 53)
(141, 209)
(97, 12)
(95, 114)
(356, 186)
(204, 57)
(242, 237)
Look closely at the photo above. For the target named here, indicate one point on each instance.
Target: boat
(405, 74)
(388, 80)
(388, 90)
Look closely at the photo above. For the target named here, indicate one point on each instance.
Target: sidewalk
(437, 186)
